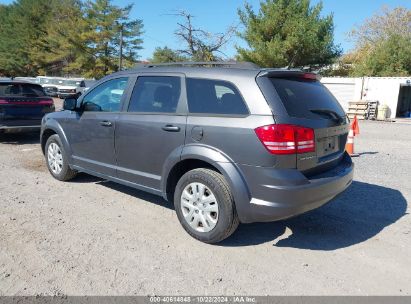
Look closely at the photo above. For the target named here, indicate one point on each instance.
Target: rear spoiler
(281, 73)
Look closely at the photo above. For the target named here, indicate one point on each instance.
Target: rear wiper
(334, 115)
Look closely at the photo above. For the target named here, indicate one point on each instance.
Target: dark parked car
(227, 145)
(22, 106)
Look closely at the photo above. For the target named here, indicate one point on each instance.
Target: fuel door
(197, 133)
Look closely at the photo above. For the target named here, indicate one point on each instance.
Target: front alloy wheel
(55, 158)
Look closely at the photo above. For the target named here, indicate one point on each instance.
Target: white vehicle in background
(27, 79)
(50, 84)
(71, 87)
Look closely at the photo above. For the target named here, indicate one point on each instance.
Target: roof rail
(231, 64)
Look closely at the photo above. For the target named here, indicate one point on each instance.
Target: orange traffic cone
(354, 130)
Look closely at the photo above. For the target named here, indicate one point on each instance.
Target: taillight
(310, 76)
(286, 139)
(46, 102)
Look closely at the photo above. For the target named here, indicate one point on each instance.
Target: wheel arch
(45, 135)
(52, 127)
(199, 156)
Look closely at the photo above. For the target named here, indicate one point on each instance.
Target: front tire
(57, 161)
(205, 205)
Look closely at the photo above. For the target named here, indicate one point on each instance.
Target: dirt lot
(97, 238)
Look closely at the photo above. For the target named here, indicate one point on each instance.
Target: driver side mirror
(70, 104)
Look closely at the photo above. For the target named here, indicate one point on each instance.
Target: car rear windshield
(21, 89)
(304, 98)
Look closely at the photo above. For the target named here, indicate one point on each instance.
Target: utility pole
(120, 61)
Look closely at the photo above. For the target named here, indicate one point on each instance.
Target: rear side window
(302, 98)
(156, 94)
(214, 97)
(21, 89)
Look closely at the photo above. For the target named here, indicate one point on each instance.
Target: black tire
(227, 221)
(66, 172)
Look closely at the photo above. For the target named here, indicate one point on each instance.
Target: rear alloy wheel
(56, 160)
(199, 207)
(204, 205)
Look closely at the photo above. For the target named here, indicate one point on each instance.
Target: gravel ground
(91, 237)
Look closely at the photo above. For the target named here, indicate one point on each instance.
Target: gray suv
(228, 144)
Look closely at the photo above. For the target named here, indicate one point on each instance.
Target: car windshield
(55, 81)
(73, 83)
(46, 80)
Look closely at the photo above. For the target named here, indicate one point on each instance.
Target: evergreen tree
(131, 32)
(66, 37)
(165, 54)
(22, 36)
(104, 25)
(287, 33)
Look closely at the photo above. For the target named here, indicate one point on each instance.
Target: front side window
(214, 97)
(156, 94)
(106, 97)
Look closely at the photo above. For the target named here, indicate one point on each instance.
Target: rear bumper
(278, 194)
(18, 129)
(19, 125)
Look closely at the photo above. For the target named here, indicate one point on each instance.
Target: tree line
(71, 37)
(76, 37)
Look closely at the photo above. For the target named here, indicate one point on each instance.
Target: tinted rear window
(214, 97)
(21, 89)
(300, 97)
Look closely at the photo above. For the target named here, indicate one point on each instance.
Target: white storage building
(395, 92)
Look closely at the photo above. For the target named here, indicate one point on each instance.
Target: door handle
(106, 123)
(171, 128)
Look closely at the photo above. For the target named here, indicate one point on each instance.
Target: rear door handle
(106, 123)
(171, 128)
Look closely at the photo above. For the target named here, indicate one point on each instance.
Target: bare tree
(383, 44)
(381, 26)
(200, 44)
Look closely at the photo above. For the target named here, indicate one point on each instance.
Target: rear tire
(205, 205)
(57, 160)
